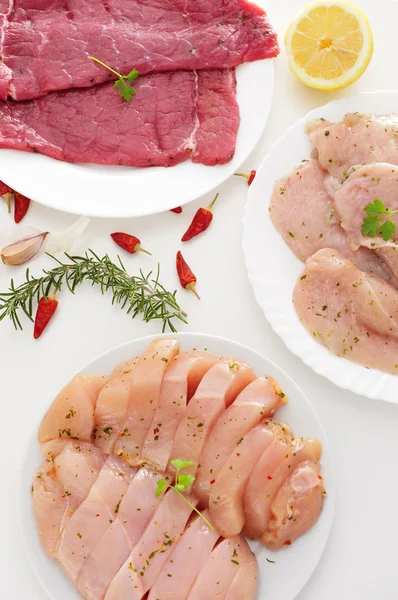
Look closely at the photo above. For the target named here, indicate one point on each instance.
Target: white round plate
(114, 191)
(294, 565)
(273, 269)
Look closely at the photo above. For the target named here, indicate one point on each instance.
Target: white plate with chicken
(320, 240)
(155, 461)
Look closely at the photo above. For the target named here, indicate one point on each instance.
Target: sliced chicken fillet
(145, 563)
(71, 415)
(257, 401)
(185, 562)
(179, 385)
(296, 506)
(353, 314)
(217, 390)
(146, 383)
(245, 583)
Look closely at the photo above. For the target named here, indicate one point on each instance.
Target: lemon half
(330, 44)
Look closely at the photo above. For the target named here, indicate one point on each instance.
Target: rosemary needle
(137, 294)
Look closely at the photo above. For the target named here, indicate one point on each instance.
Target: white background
(360, 561)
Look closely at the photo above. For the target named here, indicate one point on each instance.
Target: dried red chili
(128, 242)
(287, 543)
(200, 222)
(45, 311)
(21, 206)
(187, 278)
(6, 193)
(249, 176)
(177, 210)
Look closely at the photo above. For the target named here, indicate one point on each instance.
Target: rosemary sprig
(122, 83)
(138, 294)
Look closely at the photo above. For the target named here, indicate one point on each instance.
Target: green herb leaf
(127, 93)
(161, 487)
(375, 208)
(179, 487)
(186, 480)
(132, 76)
(119, 84)
(181, 464)
(370, 226)
(387, 230)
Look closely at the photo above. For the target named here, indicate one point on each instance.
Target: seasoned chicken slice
(226, 498)
(358, 139)
(179, 384)
(145, 563)
(217, 390)
(185, 562)
(269, 474)
(146, 382)
(111, 408)
(222, 572)
(71, 413)
(353, 314)
(94, 516)
(302, 211)
(296, 507)
(259, 400)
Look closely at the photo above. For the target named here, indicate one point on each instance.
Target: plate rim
(331, 476)
(317, 366)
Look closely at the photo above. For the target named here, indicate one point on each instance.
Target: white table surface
(360, 562)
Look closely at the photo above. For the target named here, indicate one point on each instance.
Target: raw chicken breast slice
(71, 415)
(221, 568)
(302, 211)
(61, 485)
(257, 401)
(245, 583)
(124, 367)
(146, 382)
(226, 498)
(269, 474)
(134, 513)
(358, 139)
(353, 314)
(143, 566)
(111, 408)
(363, 186)
(296, 506)
(179, 384)
(94, 515)
(186, 561)
(217, 390)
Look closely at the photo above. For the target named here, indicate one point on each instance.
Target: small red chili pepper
(287, 543)
(45, 311)
(212, 481)
(177, 210)
(186, 276)
(200, 222)
(128, 242)
(249, 176)
(21, 205)
(6, 193)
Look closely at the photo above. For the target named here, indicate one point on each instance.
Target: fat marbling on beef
(174, 116)
(46, 44)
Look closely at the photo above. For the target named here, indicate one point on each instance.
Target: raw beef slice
(46, 45)
(174, 116)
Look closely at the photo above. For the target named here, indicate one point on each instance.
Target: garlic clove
(65, 240)
(23, 251)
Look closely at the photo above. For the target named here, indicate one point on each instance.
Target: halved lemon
(330, 44)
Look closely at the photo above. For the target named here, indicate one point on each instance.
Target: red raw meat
(46, 44)
(173, 117)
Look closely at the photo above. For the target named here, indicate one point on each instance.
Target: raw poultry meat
(47, 47)
(364, 185)
(357, 139)
(303, 213)
(296, 507)
(175, 116)
(257, 401)
(105, 521)
(179, 384)
(353, 314)
(217, 390)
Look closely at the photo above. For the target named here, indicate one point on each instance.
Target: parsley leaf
(186, 480)
(132, 76)
(181, 464)
(387, 230)
(162, 485)
(370, 226)
(376, 208)
(378, 222)
(122, 83)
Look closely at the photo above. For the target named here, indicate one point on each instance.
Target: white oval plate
(273, 269)
(294, 565)
(114, 191)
